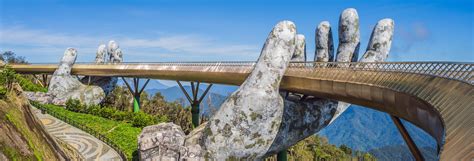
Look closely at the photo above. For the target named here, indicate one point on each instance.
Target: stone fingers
(349, 36)
(114, 52)
(300, 49)
(101, 54)
(380, 41)
(324, 43)
(67, 61)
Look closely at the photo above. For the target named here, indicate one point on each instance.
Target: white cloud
(32, 42)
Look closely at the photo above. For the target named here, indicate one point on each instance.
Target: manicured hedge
(138, 119)
(120, 133)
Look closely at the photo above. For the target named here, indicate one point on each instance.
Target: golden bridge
(438, 97)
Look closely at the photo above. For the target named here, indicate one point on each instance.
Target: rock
(249, 119)
(3, 157)
(324, 43)
(300, 49)
(22, 136)
(380, 42)
(40, 97)
(64, 86)
(165, 141)
(349, 35)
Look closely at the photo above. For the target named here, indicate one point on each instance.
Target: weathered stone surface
(304, 117)
(380, 41)
(249, 119)
(41, 97)
(164, 141)
(101, 54)
(324, 43)
(300, 49)
(114, 52)
(115, 56)
(349, 36)
(255, 122)
(64, 86)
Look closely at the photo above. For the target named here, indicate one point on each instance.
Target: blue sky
(165, 30)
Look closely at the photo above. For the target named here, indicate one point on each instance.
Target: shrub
(75, 105)
(3, 92)
(93, 110)
(161, 118)
(8, 77)
(119, 115)
(141, 119)
(106, 112)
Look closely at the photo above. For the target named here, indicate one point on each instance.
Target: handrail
(461, 71)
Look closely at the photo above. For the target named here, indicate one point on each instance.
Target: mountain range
(214, 98)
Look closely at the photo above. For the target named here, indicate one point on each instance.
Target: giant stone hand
(256, 121)
(114, 54)
(64, 86)
(305, 116)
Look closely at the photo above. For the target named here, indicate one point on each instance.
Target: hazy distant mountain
(211, 101)
(366, 129)
(153, 84)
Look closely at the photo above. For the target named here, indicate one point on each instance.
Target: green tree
(11, 58)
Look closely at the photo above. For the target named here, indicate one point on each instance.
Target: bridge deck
(437, 97)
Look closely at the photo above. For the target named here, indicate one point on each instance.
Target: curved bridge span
(436, 96)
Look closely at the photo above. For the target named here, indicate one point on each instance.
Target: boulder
(166, 142)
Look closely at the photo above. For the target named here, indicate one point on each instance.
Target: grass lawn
(120, 133)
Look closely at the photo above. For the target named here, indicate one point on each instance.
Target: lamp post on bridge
(194, 101)
(136, 92)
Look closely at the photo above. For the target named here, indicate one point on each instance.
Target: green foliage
(139, 119)
(106, 112)
(120, 133)
(8, 77)
(169, 112)
(156, 106)
(142, 119)
(346, 149)
(11, 58)
(75, 105)
(28, 85)
(318, 148)
(3, 92)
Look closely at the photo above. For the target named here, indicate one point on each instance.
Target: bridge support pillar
(282, 156)
(43, 81)
(136, 91)
(195, 101)
(408, 140)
